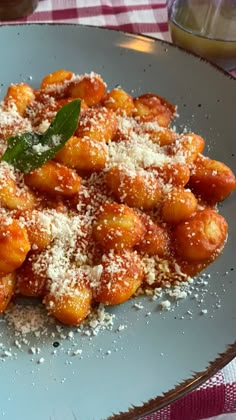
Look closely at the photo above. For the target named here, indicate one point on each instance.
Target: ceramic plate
(145, 361)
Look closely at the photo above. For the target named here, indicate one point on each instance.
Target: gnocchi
(126, 204)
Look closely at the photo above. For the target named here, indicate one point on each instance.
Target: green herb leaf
(64, 123)
(29, 151)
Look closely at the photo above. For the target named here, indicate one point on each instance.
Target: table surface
(217, 396)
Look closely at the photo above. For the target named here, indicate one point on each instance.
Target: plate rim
(190, 384)
(135, 34)
(180, 390)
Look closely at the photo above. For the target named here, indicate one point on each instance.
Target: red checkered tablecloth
(218, 395)
(146, 16)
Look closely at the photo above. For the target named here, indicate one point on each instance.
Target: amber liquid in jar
(16, 9)
(200, 27)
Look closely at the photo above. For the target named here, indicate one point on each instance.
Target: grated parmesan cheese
(73, 255)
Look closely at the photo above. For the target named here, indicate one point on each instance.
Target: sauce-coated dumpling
(201, 236)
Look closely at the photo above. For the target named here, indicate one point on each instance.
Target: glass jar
(16, 9)
(205, 27)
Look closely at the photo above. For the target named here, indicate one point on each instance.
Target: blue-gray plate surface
(153, 359)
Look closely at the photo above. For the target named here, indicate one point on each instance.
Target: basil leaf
(29, 151)
(18, 144)
(20, 149)
(64, 123)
